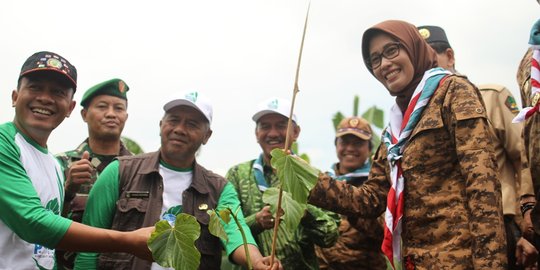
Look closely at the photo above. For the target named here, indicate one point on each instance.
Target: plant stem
(246, 249)
(276, 225)
(288, 138)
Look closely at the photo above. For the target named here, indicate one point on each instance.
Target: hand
(264, 218)
(526, 253)
(138, 243)
(264, 264)
(527, 228)
(80, 172)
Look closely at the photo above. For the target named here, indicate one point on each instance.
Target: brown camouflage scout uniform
(452, 216)
(359, 244)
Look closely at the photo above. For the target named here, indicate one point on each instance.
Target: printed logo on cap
(273, 104)
(192, 96)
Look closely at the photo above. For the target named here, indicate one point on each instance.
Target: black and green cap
(113, 87)
(432, 33)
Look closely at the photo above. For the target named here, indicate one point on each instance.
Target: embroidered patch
(535, 99)
(511, 104)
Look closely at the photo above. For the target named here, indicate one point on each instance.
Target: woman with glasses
(434, 175)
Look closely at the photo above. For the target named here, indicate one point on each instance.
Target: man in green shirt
(252, 178)
(140, 190)
(105, 113)
(32, 188)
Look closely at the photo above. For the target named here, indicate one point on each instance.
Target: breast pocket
(131, 213)
(429, 148)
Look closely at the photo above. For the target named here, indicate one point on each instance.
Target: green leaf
(175, 246)
(293, 211)
(225, 215)
(375, 116)
(215, 227)
(295, 174)
(305, 157)
(294, 147)
(131, 145)
(336, 119)
(356, 103)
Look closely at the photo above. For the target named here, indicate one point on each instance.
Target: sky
(239, 53)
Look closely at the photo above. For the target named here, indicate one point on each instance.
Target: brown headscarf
(422, 56)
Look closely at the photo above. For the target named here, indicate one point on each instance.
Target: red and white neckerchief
(395, 138)
(527, 112)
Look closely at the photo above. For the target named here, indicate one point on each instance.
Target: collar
(200, 175)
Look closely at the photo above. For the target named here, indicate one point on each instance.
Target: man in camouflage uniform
(295, 249)
(501, 108)
(359, 243)
(105, 112)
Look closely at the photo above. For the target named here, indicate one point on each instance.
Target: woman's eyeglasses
(390, 51)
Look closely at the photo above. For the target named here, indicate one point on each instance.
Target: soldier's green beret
(432, 34)
(114, 87)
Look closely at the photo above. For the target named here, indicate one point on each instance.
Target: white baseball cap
(192, 99)
(274, 105)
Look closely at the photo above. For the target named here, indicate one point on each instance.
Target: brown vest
(140, 201)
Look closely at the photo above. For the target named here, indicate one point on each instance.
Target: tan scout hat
(356, 126)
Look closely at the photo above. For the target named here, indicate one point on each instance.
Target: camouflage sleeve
(368, 200)
(320, 227)
(465, 117)
(63, 160)
(523, 75)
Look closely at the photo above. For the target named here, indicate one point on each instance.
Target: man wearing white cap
(295, 249)
(138, 190)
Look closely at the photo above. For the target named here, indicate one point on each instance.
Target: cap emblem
(55, 63)
(424, 33)
(353, 122)
(121, 86)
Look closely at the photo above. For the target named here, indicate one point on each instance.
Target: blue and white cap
(274, 105)
(193, 99)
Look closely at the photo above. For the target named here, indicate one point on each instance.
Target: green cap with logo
(113, 87)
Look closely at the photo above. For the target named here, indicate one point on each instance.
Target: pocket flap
(127, 204)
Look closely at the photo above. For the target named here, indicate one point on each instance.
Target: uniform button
(479, 110)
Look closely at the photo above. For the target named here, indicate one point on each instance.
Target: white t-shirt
(175, 181)
(31, 196)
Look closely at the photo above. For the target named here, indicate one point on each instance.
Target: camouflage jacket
(359, 244)
(99, 162)
(453, 214)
